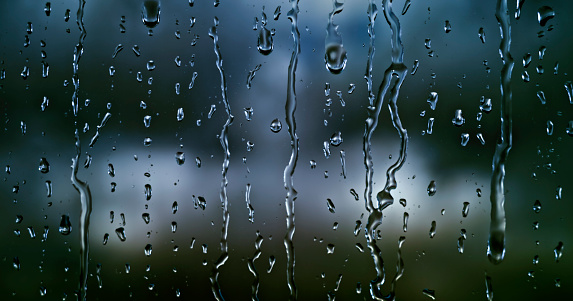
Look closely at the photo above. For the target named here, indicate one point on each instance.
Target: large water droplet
(544, 14)
(65, 225)
(150, 12)
(335, 58)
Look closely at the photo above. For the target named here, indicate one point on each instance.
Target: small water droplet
(173, 227)
(406, 6)
(150, 65)
(44, 166)
(336, 139)
(180, 158)
(148, 192)
(447, 26)
(354, 194)
(432, 188)
(458, 119)
(357, 227)
(120, 233)
(65, 225)
(480, 138)
(433, 229)
(146, 217)
(330, 206)
(330, 249)
(433, 100)
(481, 35)
(248, 113)
(276, 125)
(558, 192)
(465, 139)
(174, 207)
(403, 202)
(558, 251)
(429, 293)
(405, 222)
(147, 141)
(180, 114)
(466, 209)
(148, 250)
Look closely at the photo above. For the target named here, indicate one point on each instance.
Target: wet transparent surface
(185, 114)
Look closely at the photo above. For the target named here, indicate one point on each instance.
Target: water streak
(80, 186)
(496, 241)
(253, 270)
(215, 288)
(290, 108)
(392, 81)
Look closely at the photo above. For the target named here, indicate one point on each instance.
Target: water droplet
(429, 293)
(544, 14)
(447, 26)
(147, 192)
(406, 6)
(549, 127)
(173, 227)
(357, 227)
(148, 250)
(432, 188)
(569, 129)
(569, 88)
(147, 141)
(428, 43)
(354, 194)
(276, 125)
(65, 225)
(250, 146)
(136, 50)
(558, 192)
(480, 138)
(405, 220)
(330, 206)
(150, 12)
(180, 158)
(44, 166)
(433, 229)
(481, 34)
(272, 261)
(248, 113)
(120, 233)
(539, 69)
(265, 41)
(466, 209)
(312, 164)
(558, 251)
(336, 139)
(330, 249)
(150, 65)
(146, 217)
(465, 139)
(415, 67)
(180, 114)
(326, 149)
(403, 202)
(433, 100)
(458, 119)
(525, 76)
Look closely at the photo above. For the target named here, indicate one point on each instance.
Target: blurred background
(152, 66)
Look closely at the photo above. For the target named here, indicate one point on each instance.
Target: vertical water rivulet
(392, 81)
(290, 108)
(226, 155)
(496, 241)
(80, 186)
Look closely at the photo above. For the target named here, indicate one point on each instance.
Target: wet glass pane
(282, 150)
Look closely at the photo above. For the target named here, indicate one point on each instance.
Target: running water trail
(253, 270)
(215, 288)
(80, 186)
(290, 108)
(496, 241)
(392, 81)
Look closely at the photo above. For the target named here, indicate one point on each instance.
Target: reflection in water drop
(150, 11)
(334, 54)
